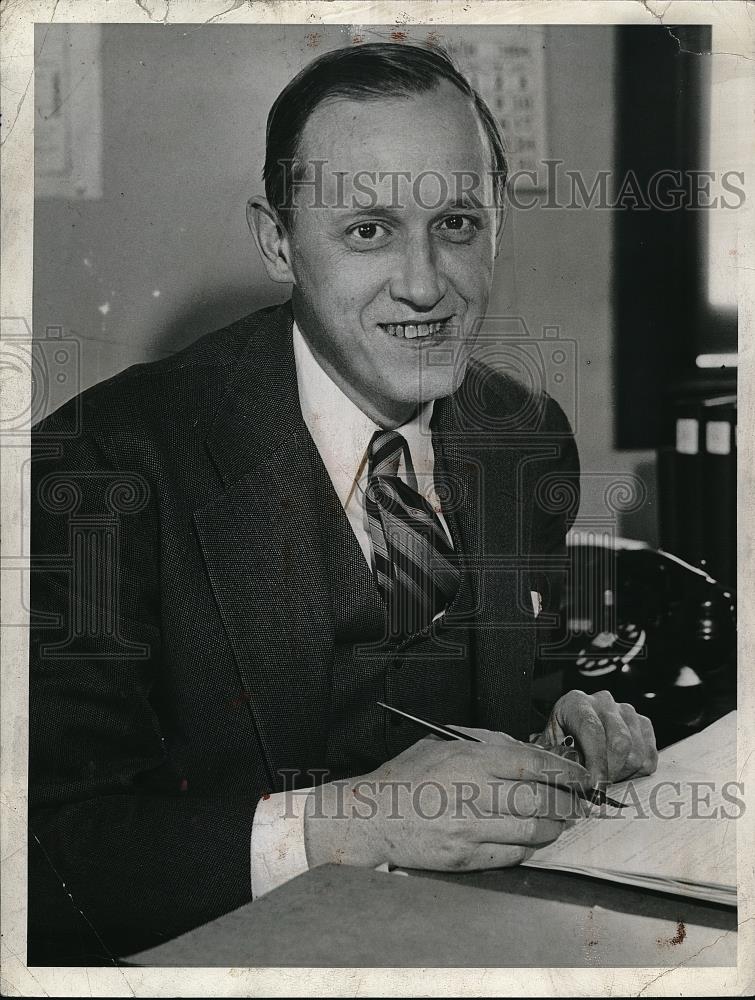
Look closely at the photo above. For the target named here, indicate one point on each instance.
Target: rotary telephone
(650, 628)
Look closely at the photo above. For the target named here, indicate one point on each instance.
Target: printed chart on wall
(508, 70)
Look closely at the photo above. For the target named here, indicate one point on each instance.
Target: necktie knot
(385, 451)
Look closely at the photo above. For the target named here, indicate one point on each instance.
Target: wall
(561, 273)
(165, 254)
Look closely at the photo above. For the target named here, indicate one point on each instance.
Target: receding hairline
(365, 97)
(378, 71)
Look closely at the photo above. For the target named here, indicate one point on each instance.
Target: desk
(336, 916)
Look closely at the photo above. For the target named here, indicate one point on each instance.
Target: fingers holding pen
(528, 782)
(527, 799)
(529, 762)
(523, 779)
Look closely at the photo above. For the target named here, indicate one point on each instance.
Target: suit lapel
(261, 546)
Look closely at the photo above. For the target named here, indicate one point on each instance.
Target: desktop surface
(336, 916)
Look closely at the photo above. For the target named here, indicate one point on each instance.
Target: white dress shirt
(342, 433)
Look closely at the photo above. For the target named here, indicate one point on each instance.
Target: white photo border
(733, 49)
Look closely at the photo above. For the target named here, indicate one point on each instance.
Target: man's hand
(615, 741)
(445, 806)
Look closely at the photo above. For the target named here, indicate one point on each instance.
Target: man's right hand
(444, 805)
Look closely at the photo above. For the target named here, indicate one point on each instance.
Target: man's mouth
(413, 331)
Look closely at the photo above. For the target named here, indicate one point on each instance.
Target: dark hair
(362, 72)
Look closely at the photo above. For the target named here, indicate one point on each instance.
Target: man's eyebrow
(465, 202)
(371, 212)
(468, 200)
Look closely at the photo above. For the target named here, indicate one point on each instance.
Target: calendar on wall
(68, 119)
(508, 69)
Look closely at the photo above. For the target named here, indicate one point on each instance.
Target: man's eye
(367, 231)
(461, 224)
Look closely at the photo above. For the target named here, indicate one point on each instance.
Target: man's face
(387, 295)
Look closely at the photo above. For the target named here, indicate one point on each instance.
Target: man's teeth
(411, 330)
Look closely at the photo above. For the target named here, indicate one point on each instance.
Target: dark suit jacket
(181, 641)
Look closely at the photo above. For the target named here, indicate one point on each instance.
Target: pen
(594, 795)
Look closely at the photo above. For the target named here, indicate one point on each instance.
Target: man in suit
(241, 549)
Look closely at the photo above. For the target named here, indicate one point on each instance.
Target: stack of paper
(678, 832)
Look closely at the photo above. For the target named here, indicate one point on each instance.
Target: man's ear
(271, 239)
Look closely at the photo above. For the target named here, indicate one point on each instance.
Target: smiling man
(390, 256)
(246, 547)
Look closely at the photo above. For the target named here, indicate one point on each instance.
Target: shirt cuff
(277, 847)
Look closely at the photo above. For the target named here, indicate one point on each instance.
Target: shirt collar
(342, 432)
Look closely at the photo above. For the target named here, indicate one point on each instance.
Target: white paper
(677, 834)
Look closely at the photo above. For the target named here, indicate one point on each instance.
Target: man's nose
(417, 280)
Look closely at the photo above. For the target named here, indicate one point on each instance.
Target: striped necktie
(413, 561)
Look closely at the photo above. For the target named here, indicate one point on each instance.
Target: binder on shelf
(697, 485)
(719, 422)
(688, 482)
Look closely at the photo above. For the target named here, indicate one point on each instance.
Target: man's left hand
(614, 740)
